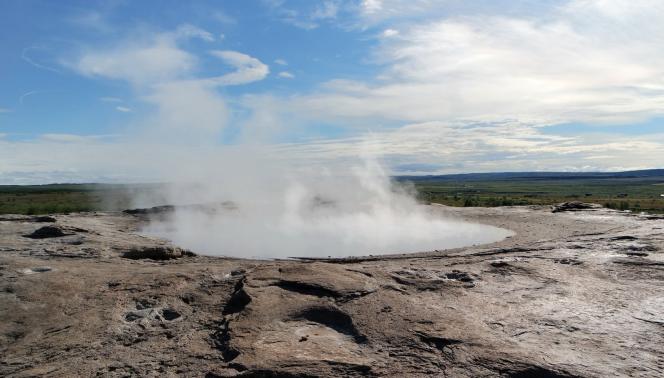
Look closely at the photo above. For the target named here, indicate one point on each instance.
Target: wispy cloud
(307, 18)
(94, 20)
(24, 96)
(566, 67)
(248, 69)
(462, 90)
(326, 10)
(286, 75)
(73, 138)
(485, 147)
(25, 55)
(110, 99)
(5, 110)
(428, 148)
(165, 75)
(187, 31)
(223, 17)
(157, 58)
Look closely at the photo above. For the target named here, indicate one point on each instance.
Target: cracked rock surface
(571, 294)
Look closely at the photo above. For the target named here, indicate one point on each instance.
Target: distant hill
(509, 176)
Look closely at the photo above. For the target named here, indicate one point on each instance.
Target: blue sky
(426, 86)
(47, 97)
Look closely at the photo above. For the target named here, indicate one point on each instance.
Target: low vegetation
(638, 191)
(636, 194)
(61, 198)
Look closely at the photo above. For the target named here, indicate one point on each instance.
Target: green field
(636, 191)
(61, 198)
(636, 194)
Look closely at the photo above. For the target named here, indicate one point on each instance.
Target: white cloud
(326, 10)
(567, 67)
(248, 69)
(187, 31)
(92, 20)
(587, 61)
(155, 60)
(24, 96)
(110, 99)
(148, 59)
(286, 75)
(224, 17)
(427, 148)
(73, 138)
(482, 147)
(371, 6)
(432, 147)
(188, 107)
(25, 55)
(307, 17)
(281, 62)
(374, 12)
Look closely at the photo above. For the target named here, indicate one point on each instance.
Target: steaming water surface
(358, 212)
(252, 233)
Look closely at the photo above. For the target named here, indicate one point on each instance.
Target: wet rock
(639, 254)
(170, 314)
(221, 339)
(37, 269)
(567, 261)
(151, 210)
(624, 237)
(438, 342)
(307, 288)
(48, 232)
(332, 317)
(144, 304)
(537, 371)
(132, 316)
(574, 206)
(459, 276)
(207, 208)
(238, 301)
(157, 253)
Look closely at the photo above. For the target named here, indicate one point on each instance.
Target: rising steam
(320, 215)
(242, 199)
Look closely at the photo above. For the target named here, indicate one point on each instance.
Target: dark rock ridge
(574, 206)
(209, 208)
(48, 232)
(157, 253)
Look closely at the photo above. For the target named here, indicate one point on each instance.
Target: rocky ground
(574, 293)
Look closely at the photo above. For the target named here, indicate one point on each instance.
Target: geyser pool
(250, 232)
(307, 214)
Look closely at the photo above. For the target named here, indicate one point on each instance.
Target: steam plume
(283, 213)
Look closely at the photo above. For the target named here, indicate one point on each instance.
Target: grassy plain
(636, 194)
(639, 191)
(61, 198)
